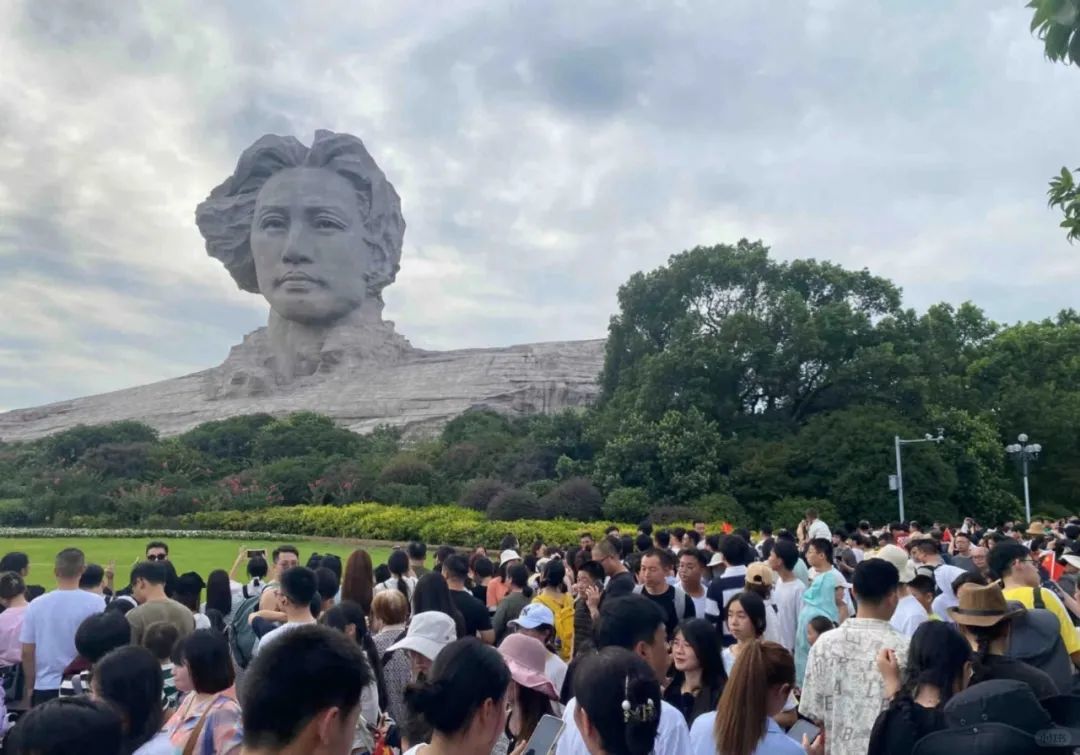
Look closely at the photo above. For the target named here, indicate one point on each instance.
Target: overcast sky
(544, 151)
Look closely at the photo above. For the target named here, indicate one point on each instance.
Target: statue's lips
(297, 280)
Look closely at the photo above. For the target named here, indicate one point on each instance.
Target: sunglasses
(157, 557)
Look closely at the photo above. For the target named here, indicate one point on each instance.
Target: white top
(159, 745)
(775, 741)
(788, 599)
(818, 529)
(843, 687)
(699, 602)
(727, 655)
(555, 670)
(908, 616)
(392, 584)
(50, 624)
(273, 634)
(672, 738)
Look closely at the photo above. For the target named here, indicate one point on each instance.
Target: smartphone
(257, 552)
(802, 726)
(545, 735)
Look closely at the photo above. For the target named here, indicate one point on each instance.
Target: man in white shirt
(637, 624)
(297, 589)
(843, 688)
(914, 607)
(692, 563)
(49, 626)
(816, 528)
(788, 591)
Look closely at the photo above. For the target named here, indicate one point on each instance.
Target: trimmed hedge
(452, 525)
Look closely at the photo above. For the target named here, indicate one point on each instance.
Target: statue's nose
(296, 250)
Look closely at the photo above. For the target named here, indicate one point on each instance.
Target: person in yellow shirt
(1013, 564)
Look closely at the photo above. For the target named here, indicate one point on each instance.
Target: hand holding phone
(544, 737)
(261, 552)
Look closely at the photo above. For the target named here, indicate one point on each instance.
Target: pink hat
(526, 657)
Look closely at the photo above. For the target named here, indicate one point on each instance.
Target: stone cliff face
(419, 392)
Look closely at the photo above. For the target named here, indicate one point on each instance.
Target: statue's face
(307, 239)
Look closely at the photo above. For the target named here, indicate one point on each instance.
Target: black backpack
(1035, 639)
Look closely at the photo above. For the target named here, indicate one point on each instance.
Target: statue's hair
(225, 217)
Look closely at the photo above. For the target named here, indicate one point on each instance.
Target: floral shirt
(221, 735)
(843, 687)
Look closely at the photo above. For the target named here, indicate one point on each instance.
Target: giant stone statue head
(316, 230)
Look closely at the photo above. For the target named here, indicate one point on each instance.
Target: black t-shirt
(479, 592)
(477, 618)
(619, 585)
(1001, 667)
(666, 601)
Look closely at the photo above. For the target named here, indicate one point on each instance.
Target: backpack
(1036, 640)
(682, 600)
(564, 623)
(242, 637)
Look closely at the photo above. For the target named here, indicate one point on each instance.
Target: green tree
(734, 334)
(1057, 24)
(300, 434)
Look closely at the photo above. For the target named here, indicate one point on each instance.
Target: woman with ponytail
(462, 700)
(757, 690)
(398, 563)
(938, 666)
(618, 703)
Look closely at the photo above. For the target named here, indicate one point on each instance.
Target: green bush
(670, 515)
(303, 434)
(70, 445)
(723, 507)
(291, 478)
(15, 513)
(229, 440)
(412, 496)
(477, 494)
(515, 504)
(577, 498)
(452, 525)
(626, 504)
(788, 512)
(541, 488)
(406, 469)
(119, 460)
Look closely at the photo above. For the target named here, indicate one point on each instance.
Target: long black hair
(131, 679)
(937, 656)
(433, 594)
(466, 674)
(340, 617)
(700, 634)
(398, 563)
(754, 607)
(602, 683)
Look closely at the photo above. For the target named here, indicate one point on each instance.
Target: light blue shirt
(775, 741)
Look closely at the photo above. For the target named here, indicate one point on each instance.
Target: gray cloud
(543, 152)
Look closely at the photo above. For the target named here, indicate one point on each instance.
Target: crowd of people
(898, 641)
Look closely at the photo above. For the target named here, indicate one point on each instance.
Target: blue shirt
(775, 741)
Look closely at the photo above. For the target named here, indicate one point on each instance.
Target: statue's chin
(310, 312)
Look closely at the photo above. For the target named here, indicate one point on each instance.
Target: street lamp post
(1023, 453)
(928, 438)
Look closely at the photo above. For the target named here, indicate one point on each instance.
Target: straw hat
(1036, 528)
(981, 606)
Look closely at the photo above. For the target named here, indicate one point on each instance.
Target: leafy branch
(1065, 193)
(1057, 23)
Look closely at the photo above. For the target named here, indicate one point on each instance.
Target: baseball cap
(534, 615)
(760, 573)
(429, 632)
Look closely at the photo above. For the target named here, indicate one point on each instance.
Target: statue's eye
(328, 223)
(272, 223)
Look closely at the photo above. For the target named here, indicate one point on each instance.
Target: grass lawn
(187, 554)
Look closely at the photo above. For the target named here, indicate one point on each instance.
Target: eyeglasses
(157, 557)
